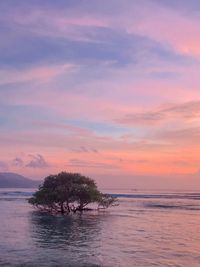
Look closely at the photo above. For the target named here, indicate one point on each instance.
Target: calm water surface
(146, 229)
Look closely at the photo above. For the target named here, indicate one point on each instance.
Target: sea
(146, 229)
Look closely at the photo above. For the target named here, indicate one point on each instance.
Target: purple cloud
(18, 162)
(37, 161)
(183, 111)
(90, 164)
(83, 149)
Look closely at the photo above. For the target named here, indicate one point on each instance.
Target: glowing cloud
(108, 88)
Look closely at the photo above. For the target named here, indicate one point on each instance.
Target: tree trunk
(62, 208)
(68, 208)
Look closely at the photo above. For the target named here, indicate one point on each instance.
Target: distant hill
(14, 180)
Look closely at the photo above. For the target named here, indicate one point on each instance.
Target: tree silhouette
(69, 192)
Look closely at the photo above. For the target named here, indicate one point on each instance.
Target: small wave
(192, 196)
(11, 199)
(171, 206)
(16, 194)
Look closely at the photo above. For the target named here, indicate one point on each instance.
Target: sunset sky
(107, 88)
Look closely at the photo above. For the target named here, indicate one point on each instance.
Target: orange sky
(107, 89)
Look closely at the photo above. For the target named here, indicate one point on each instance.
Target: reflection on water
(64, 231)
(142, 232)
(72, 235)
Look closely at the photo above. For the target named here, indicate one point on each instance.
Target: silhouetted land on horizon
(14, 180)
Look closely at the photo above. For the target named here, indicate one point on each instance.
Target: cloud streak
(184, 111)
(110, 88)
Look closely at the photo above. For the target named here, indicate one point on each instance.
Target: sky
(109, 89)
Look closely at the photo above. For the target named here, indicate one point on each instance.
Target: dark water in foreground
(147, 229)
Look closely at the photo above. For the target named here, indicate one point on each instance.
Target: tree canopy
(69, 192)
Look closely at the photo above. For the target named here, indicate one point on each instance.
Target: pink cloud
(167, 26)
(185, 112)
(35, 74)
(56, 23)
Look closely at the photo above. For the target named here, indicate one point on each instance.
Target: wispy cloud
(183, 111)
(37, 161)
(35, 74)
(83, 149)
(107, 87)
(18, 162)
(90, 164)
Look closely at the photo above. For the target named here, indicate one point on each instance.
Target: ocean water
(147, 229)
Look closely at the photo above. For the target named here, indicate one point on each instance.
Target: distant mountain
(14, 180)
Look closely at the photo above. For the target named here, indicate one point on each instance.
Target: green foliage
(106, 201)
(69, 192)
